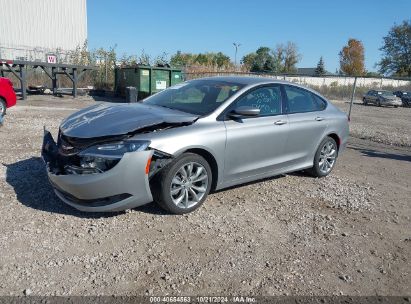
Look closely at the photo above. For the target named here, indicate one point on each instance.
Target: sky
(319, 28)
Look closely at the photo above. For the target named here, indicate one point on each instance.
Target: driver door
(255, 145)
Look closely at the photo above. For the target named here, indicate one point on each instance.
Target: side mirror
(244, 111)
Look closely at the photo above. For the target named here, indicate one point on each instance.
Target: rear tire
(3, 107)
(183, 185)
(325, 158)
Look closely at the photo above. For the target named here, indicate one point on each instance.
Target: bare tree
(291, 58)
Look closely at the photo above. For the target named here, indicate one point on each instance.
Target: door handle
(319, 118)
(280, 122)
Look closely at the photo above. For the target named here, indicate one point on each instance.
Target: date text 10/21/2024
(202, 299)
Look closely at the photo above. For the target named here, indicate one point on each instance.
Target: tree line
(396, 54)
(395, 61)
(282, 59)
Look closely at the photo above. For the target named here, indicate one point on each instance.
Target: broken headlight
(101, 158)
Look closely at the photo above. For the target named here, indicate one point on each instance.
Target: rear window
(386, 93)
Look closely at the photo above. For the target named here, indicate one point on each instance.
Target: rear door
(255, 145)
(307, 121)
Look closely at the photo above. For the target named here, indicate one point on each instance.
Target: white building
(31, 29)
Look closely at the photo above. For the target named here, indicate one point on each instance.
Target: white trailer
(32, 29)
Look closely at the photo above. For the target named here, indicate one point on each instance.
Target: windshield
(386, 93)
(199, 97)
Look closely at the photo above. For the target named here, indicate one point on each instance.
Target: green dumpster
(148, 80)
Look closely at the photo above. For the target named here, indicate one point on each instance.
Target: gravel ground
(386, 125)
(349, 233)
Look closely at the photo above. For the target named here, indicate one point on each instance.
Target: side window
(300, 100)
(321, 104)
(267, 99)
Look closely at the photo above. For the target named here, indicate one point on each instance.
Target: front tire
(183, 185)
(325, 158)
(3, 107)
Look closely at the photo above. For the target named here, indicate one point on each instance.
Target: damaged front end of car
(99, 163)
(79, 156)
(110, 173)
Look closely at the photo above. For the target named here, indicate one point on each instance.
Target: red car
(7, 95)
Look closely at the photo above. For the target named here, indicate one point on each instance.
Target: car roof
(246, 80)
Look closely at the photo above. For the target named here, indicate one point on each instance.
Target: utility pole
(352, 98)
(105, 62)
(236, 45)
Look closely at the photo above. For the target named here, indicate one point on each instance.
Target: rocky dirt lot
(349, 233)
(386, 125)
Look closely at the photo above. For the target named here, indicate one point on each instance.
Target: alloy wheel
(189, 185)
(327, 158)
(2, 108)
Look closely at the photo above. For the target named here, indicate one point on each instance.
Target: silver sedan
(199, 136)
(380, 98)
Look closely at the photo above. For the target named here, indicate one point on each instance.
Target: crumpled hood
(108, 119)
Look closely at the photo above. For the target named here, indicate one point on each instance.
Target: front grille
(67, 149)
(68, 161)
(72, 145)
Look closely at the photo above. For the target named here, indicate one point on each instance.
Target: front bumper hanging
(123, 187)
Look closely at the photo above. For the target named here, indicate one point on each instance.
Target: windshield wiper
(164, 107)
(174, 109)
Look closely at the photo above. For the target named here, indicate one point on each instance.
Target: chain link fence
(332, 87)
(35, 54)
(382, 125)
(102, 77)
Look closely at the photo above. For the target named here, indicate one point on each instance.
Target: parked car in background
(201, 135)
(381, 98)
(7, 95)
(406, 99)
(398, 93)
